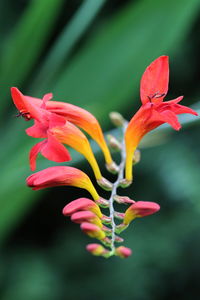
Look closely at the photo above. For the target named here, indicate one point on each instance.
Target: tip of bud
(112, 168)
(117, 119)
(105, 184)
(123, 252)
(114, 143)
(106, 219)
(103, 202)
(118, 239)
(96, 249)
(124, 183)
(123, 199)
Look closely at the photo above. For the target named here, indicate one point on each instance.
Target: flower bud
(123, 252)
(102, 202)
(96, 249)
(81, 204)
(124, 183)
(106, 219)
(86, 216)
(140, 209)
(121, 227)
(123, 199)
(117, 119)
(105, 184)
(112, 168)
(93, 230)
(119, 215)
(118, 239)
(114, 143)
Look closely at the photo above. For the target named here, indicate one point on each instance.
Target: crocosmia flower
(30, 108)
(59, 176)
(57, 123)
(153, 112)
(80, 117)
(55, 129)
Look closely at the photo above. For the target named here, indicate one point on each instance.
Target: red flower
(153, 112)
(57, 131)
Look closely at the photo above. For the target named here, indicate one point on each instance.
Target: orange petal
(73, 137)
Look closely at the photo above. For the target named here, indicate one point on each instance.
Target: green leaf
(25, 44)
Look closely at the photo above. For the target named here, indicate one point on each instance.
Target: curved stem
(114, 191)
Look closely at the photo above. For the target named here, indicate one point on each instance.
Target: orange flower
(78, 116)
(153, 112)
(56, 130)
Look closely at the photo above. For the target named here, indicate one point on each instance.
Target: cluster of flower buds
(59, 124)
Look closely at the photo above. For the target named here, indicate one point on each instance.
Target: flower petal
(74, 137)
(61, 176)
(154, 82)
(81, 204)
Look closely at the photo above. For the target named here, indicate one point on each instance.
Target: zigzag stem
(114, 191)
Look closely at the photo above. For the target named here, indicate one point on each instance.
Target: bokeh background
(92, 53)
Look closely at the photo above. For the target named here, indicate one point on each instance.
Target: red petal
(78, 205)
(38, 130)
(46, 98)
(154, 82)
(181, 109)
(34, 153)
(54, 150)
(171, 118)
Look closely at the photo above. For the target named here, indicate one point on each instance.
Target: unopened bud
(121, 227)
(123, 199)
(81, 204)
(105, 184)
(140, 209)
(114, 143)
(123, 252)
(86, 216)
(96, 249)
(119, 215)
(136, 157)
(93, 230)
(106, 220)
(106, 241)
(107, 230)
(118, 239)
(112, 168)
(102, 202)
(124, 183)
(117, 119)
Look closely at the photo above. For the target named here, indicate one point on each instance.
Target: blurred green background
(92, 53)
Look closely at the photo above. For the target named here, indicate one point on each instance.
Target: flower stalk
(116, 184)
(58, 124)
